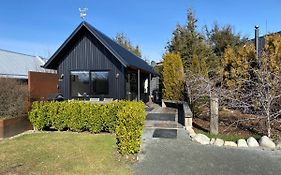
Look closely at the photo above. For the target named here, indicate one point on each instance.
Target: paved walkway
(177, 154)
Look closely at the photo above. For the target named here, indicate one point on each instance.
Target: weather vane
(83, 13)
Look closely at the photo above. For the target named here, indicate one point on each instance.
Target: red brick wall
(41, 85)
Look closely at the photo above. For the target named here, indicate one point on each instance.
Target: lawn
(61, 153)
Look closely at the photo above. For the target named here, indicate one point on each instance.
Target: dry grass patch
(61, 153)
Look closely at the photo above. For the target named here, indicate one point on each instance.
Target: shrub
(129, 127)
(13, 98)
(38, 116)
(125, 118)
(173, 77)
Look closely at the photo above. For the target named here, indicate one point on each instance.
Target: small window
(80, 82)
(100, 82)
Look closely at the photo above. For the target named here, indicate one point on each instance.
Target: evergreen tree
(121, 39)
(173, 77)
(222, 37)
(236, 65)
(189, 43)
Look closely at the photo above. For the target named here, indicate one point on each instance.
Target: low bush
(125, 118)
(13, 98)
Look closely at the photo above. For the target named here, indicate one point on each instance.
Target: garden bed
(229, 128)
(13, 126)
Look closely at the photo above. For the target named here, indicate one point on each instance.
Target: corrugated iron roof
(127, 58)
(17, 65)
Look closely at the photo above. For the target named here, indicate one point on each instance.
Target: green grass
(61, 153)
(226, 137)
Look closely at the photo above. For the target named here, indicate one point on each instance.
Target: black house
(90, 64)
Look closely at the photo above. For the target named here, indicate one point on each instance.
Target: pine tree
(189, 43)
(222, 37)
(121, 39)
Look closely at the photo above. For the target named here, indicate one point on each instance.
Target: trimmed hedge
(125, 118)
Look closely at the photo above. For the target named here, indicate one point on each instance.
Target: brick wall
(41, 85)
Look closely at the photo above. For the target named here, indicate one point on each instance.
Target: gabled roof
(17, 65)
(126, 58)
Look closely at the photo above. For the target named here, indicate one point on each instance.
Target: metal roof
(127, 58)
(17, 65)
(262, 40)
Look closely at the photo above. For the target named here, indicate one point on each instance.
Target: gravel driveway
(179, 155)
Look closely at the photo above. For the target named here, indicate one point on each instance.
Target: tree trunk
(268, 124)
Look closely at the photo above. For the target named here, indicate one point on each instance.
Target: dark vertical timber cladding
(87, 53)
(139, 86)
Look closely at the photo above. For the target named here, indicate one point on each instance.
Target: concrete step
(161, 116)
(162, 124)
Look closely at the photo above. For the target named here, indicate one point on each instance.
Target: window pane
(100, 82)
(80, 83)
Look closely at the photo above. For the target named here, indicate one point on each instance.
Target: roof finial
(83, 13)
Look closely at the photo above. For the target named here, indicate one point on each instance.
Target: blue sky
(39, 27)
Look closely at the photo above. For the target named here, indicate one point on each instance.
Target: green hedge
(125, 118)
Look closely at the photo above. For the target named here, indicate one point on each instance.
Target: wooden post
(214, 113)
(149, 92)
(149, 85)
(138, 85)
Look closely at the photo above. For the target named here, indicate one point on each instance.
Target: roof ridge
(89, 25)
(18, 52)
(111, 39)
(123, 55)
(96, 32)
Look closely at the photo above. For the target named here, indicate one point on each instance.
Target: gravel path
(180, 155)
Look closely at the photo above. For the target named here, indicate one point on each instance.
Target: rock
(252, 142)
(212, 141)
(230, 143)
(278, 145)
(242, 143)
(190, 132)
(267, 142)
(202, 139)
(218, 142)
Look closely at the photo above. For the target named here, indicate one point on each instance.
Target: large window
(89, 83)
(80, 82)
(99, 80)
